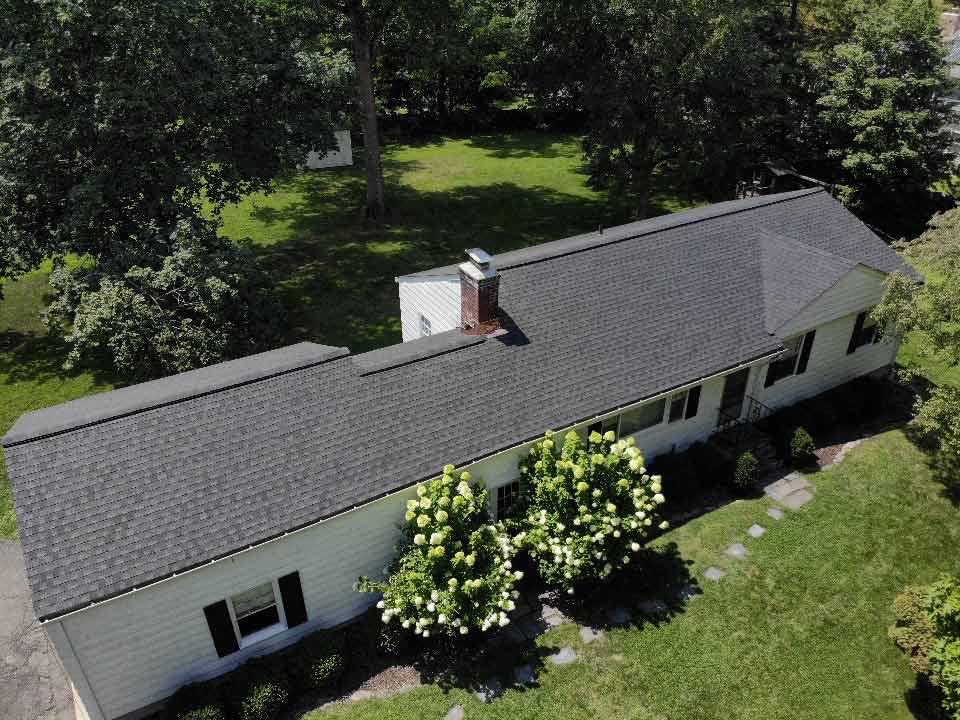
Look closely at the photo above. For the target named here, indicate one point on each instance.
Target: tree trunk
(794, 7)
(642, 169)
(376, 194)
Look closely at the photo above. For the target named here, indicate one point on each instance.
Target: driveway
(33, 685)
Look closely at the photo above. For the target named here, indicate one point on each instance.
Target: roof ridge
(61, 426)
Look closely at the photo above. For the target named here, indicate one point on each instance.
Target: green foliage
(316, 662)
(747, 470)
(657, 78)
(205, 302)
(930, 315)
(116, 117)
(195, 701)
(913, 631)
(943, 608)
(883, 112)
(802, 447)
(264, 700)
(590, 506)
(453, 573)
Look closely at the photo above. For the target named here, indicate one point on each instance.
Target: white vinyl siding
(342, 156)
(829, 365)
(858, 290)
(436, 299)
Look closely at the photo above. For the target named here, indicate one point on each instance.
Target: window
(794, 361)
(424, 326)
(643, 417)
(253, 615)
(865, 332)
(602, 426)
(506, 497)
(255, 609)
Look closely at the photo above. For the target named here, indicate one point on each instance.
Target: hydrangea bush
(453, 573)
(591, 505)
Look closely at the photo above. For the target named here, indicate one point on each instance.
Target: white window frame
(799, 339)
(683, 410)
(425, 324)
(263, 633)
(663, 416)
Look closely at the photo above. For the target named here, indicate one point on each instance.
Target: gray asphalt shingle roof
(595, 322)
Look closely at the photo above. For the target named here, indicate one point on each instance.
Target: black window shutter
(805, 352)
(292, 594)
(857, 330)
(221, 629)
(693, 402)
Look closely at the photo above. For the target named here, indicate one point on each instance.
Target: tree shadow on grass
(522, 145)
(35, 358)
(925, 700)
(336, 277)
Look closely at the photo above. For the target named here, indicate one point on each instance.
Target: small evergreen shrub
(316, 662)
(196, 701)
(802, 447)
(264, 699)
(747, 471)
(913, 631)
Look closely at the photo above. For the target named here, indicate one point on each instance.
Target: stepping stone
(714, 573)
(688, 592)
(553, 617)
(589, 634)
(798, 499)
(564, 657)
(456, 713)
(618, 616)
(653, 608)
(787, 485)
(775, 512)
(737, 550)
(489, 691)
(756, 531)
(523, 674)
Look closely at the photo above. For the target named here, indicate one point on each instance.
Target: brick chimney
(479, 293)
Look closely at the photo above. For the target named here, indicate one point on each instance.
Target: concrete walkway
(33, 685)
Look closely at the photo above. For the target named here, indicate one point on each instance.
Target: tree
(883, 114)
(117, 118)
(204, 302)
(656, 77)
(931, 313)
(588, 507)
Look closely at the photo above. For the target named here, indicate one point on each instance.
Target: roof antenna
(600, 228)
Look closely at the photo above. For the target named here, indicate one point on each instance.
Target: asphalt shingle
(594, 323)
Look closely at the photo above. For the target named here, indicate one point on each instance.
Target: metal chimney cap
(479, 257)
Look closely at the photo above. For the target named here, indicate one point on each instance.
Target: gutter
(390, 493)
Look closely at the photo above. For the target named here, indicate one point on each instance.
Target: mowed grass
(334, 273)
(796, 631)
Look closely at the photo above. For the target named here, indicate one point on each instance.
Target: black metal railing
(737, 429)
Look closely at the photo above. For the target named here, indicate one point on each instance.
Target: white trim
(699, 381)
(263, 633)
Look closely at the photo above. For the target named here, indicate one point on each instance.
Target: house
(173, 529)
(341, 157)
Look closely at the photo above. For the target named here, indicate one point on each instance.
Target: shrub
(590, 506)
(747, 471)
(316, 662)
(264, 699)
(802, 447)
(194, 702)
(913, 631)
(943, 608)
(453, 573)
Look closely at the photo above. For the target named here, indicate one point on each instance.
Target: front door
(734, 390)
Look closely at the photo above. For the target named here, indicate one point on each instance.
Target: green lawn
(795, 631)
(335, 275)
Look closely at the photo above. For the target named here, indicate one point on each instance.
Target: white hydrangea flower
(464, 630)
(419, 539)
(421, 490)
(635, 546)
(436, 538)
(426, 633)
(425, 503)
(659, 499)
(664, 525)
